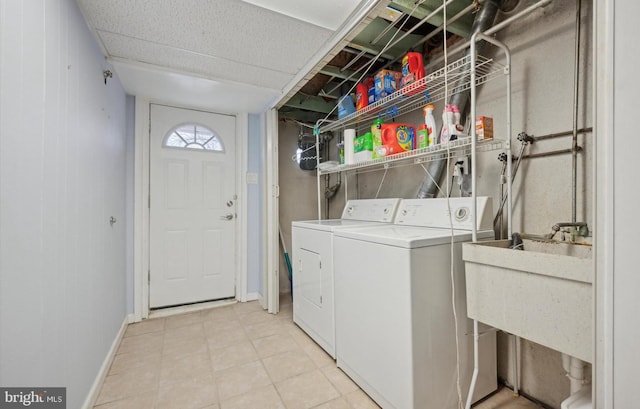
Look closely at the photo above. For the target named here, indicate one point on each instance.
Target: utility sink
(542, 293)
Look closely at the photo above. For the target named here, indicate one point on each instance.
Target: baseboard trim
(92, 396)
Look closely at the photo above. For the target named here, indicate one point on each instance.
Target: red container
(412, 71)
(362, 96)
(398, 137)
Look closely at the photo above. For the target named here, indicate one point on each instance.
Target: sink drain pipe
(574, 368)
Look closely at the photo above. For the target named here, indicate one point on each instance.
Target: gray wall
(63, 139)
(542, 47)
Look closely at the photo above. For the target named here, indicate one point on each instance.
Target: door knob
(227, 217)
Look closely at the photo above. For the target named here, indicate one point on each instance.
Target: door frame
(271, 272)
(141, 224)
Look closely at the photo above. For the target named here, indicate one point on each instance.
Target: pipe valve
(525, 138)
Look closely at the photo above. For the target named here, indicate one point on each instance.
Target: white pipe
(566, 362)
(474, 39)
(474, 377)
(574, 368)
(472, 80)
(317, 134)
(516, 366)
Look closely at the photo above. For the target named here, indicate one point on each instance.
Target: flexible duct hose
(483, 21)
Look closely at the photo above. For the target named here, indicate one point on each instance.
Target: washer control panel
(373, 210)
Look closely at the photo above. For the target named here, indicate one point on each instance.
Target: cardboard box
(484, 128)
(386, 83)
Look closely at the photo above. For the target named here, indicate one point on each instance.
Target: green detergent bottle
(376, 134)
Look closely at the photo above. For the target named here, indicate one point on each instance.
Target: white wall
(62, 176)
(130, 197)
(619, 151)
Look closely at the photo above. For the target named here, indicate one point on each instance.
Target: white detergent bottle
(456, 120)
(430, 121)
(447, 123)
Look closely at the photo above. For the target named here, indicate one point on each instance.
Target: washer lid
(332, 224)
(410, 236)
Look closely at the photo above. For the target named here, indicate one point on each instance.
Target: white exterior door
(192, 206)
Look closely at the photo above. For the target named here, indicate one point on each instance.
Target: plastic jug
(423, 137)
(430, 121)
(412, 68)
(362, 96)
(448, 124)
(345, 106)
(398, 137)
(412, 71)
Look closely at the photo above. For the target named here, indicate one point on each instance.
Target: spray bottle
(430, 121)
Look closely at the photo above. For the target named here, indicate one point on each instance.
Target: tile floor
(233, 357)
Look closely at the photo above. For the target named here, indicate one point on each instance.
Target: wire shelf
(459, 147)
(429, 89)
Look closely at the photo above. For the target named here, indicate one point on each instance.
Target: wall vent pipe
(483, 21)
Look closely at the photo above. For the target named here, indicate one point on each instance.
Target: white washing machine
(395, 332)
(312, 263)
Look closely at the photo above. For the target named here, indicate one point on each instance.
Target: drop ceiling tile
(329, 14)
(231, 28)
(122, 47)
(186, 90)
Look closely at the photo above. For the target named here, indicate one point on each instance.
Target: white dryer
(312, 263)
(395, 332)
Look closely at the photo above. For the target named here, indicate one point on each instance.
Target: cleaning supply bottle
(398, 137)
(376, 136)
(430, 121)
(423, 137)
(447, 124)
(362, 96)
(456, 123)
(412, 71)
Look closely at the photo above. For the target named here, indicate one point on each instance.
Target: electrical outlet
(462, 163)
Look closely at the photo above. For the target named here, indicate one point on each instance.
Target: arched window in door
(193, 136)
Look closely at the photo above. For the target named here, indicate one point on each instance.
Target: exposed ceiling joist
(311, 103)
(336, 72)
(461, 27)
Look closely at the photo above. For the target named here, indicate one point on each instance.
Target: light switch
(252, 178)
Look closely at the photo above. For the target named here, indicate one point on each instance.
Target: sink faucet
(581, 228)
